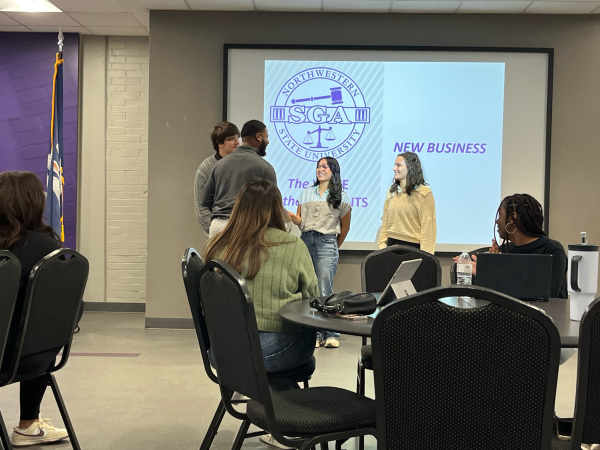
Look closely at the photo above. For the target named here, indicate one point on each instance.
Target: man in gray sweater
(230, 174)
(225, 139)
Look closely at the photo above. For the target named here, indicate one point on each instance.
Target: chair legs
(213, 427)
(63, 411)
(239, 439)
(4, 437)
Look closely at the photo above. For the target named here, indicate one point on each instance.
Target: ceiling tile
(229, 5)
(145, 5)
(43, 29)
(89, 6)
(5, 20)
(119, 31)
(292, 5)
(357, 5)
(43, 19)
(433, 6)
(493, 6)
(143, 18)
(105, 19)
(13, 28)
(562, 7)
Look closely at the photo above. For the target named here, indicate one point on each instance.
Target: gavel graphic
(336, 97)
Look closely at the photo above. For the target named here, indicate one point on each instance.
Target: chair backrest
(191, 266)
(586, 423)
(378, 268)
(464, 378)
(453, 265)
(52, 304)
(231, 323)
(10, 276)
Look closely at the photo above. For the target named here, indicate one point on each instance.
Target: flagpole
(61, 38)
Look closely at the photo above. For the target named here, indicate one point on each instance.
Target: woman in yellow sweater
(409, 209)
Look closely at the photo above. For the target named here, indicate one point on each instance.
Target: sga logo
(320, 112)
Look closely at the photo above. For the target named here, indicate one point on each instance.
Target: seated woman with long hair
(520, 225)
(278, 270)
(23, 233)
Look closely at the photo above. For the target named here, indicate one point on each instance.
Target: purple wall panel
(26, 74)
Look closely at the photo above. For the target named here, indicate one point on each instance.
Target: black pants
(32, 389)
(392, 241)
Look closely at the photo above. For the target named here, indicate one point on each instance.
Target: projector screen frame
(548, 51)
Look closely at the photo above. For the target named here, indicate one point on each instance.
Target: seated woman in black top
(520, 222)
(23, 233)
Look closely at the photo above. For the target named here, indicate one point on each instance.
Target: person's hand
(295, 218)
(495, 248)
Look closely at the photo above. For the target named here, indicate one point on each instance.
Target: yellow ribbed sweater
(410, 218)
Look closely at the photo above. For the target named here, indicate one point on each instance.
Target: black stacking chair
(453, 265)
(312, 415)
(10, 276)
(452, 378)
(191, 266)
(377, 269)
(52, 303)
(586, 422)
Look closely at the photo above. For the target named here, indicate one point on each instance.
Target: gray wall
(186, 82)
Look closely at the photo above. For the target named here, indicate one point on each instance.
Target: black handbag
(346, 302)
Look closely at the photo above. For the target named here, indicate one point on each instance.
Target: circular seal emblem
(320, 112)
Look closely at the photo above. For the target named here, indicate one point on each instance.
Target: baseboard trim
(114, 307)
(168, 322)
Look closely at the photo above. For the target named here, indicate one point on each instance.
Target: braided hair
(414, 177)
(529, 216)
(334, 198)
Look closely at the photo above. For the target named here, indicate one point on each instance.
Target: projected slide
(365, 114)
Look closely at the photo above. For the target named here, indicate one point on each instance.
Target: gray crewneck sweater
(230, 174)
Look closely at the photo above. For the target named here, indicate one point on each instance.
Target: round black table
(301, 313)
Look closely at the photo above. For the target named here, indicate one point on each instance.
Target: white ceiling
(131, 18)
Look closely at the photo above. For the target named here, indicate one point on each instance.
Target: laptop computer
(400, 284)
(526, 277)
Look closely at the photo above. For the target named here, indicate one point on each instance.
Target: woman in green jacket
(278, 270)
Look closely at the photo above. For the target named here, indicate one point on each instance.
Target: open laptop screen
(526, 277)
(400, 284)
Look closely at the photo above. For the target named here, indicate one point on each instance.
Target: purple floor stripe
(112, 355)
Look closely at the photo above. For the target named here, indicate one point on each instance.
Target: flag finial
(61, 38)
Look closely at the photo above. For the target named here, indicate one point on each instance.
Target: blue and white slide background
(367, 113)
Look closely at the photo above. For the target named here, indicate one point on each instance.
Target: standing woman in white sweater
(409, 209)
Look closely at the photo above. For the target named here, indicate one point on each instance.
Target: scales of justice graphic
(336, 99)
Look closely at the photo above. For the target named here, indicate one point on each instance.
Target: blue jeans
(282, 352)
(286, 352)
(324, 252)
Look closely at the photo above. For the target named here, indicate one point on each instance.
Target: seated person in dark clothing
(520, 222)
(23, 233)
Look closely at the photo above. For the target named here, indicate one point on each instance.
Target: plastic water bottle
(464, 270)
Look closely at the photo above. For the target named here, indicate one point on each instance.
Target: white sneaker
(268, 439)
(332, 343)
(318, 343)
(38, 433)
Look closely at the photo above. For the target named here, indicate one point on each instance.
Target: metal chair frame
(9, 377)
(301, 443)
(585, 360)
(195, 302)
(497, 298)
